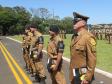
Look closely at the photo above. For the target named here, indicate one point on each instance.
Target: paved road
(6, 75)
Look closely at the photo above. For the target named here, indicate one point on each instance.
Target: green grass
(17, 37)
(104, 51)
(104, 55)
(67, 46)
(66, 42)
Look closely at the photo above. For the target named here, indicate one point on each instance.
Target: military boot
(37, 78)
(32, 73)
(42, 81)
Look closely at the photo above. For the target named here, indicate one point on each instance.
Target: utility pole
(53, 13)
(53, 16)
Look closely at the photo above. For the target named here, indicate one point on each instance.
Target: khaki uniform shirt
(26, 40)
(53, 50)
(34, 42)
(83, 53)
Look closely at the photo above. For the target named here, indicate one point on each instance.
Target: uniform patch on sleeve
(92, 41)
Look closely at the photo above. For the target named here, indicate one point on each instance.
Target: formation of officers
(82, 53)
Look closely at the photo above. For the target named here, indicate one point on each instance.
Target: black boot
(37, 78)
(25, 67)
(43, 80)
(31, 72)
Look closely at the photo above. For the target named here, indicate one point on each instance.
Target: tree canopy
(14, 19)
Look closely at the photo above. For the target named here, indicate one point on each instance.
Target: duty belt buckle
(83, 70)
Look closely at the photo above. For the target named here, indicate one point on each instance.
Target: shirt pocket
(51, 48)
(80, 49)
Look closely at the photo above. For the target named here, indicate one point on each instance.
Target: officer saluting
(83, 52)
(55, 51)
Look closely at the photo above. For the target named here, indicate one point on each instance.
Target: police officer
(65, 34)
(55, 51)
(36, 53)
(25, 46)
(83, 52)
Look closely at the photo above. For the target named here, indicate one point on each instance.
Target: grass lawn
(104, 51)
(104, 55)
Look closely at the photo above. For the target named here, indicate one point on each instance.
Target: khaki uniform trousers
(58, 77)
(33, 70)
(26, 59)
(40, 70)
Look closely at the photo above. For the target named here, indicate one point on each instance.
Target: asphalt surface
(5, 72)
(6, 75)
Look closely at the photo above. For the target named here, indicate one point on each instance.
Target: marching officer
(37, 42)
(83, 52)
(55, 51)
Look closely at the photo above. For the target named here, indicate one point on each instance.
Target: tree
(11, 17)
(36, 20)
(41, 13)
(22, 14)
(7, 18)
(56, 17)
(13, 20)
(66, 24)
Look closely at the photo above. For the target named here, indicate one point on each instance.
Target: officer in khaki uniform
(31, 65)
(83, 52)
(26, 49)
(55, 50)
(32, 69)
(26, 46)
(37, 42)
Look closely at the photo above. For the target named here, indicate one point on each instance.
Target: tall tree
(10, 17)
(22, 14)
(66, 23)
(41, 12)
(7, 18)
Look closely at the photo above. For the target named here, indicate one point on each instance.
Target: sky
(99, 11)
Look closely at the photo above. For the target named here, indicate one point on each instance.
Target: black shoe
(43, 80)
(25, 67)
(37, 78)
(32, 75)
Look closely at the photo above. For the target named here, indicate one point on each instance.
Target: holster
(77, 77)
(78, 73)
(49, 64)
(28, 49)
(31, 54)
(38, 56)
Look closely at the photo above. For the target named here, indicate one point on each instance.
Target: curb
(107, 74)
